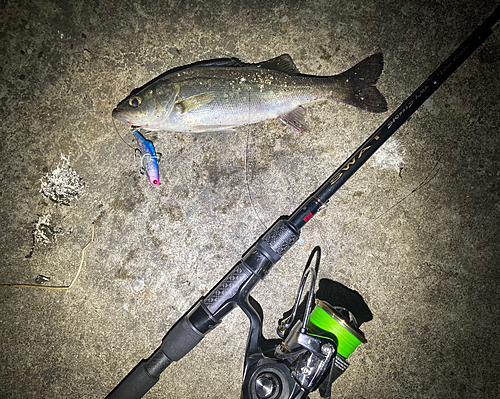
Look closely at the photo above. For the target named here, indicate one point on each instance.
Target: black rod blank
(321, 196)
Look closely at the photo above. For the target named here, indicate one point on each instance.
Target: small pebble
(138, 284)
(429, 103)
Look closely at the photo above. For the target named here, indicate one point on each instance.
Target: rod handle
(135, 385)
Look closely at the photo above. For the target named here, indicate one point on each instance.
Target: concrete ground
(415, 231)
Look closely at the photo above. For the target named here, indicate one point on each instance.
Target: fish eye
(135, 102)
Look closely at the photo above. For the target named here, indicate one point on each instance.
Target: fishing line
(112, 120)
(248, 184)
(57, 287)
(134, 148)
(246, 164)
(427, 179)
(431, 175)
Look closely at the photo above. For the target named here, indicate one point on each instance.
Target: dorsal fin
(217, 62)
(221, 62)
(283, 63)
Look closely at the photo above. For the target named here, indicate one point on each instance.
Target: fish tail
(360, 80)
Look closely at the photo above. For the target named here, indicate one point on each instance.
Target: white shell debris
(42, 230)
(62, 185)
(43, 233)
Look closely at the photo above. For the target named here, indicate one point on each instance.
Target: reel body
(310, 355)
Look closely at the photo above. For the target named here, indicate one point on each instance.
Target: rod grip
(135, 385)
(180, 339)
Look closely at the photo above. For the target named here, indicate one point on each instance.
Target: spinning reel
(312, 352)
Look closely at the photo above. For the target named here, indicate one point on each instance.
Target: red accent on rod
(317, 199)
(308, 217)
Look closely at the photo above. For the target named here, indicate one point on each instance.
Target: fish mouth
(119, 115)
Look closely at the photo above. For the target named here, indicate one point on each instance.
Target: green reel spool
(326, 322)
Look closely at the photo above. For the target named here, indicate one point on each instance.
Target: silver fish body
(224, 94)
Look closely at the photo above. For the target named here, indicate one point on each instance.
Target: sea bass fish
(149, 161)
(225, 93)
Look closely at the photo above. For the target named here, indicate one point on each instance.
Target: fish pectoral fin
(295, 119)
(190, 103)
(283, 63)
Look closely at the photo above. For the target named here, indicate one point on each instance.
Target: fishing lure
(149, 159)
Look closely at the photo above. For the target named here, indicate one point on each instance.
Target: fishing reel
(311, 353)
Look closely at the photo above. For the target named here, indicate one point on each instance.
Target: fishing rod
(313, 352)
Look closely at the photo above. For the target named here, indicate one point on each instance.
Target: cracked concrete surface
(415, 231)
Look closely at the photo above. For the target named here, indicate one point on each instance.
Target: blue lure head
(149, 160)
